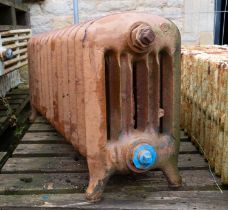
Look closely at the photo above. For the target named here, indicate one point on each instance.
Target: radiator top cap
(144, 156)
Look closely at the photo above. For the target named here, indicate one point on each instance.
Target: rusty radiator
(111, 87)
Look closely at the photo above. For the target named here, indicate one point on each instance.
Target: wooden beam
(120, 200)
(11, 27)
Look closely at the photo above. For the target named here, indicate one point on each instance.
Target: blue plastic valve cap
(144, 156)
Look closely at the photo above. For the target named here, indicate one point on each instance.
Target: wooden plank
(72, 182)
(68, 164)
(21, 96)
(191, 161)
(11, 27)
(183, 136)
(16, 66)
(13, 16)
(20, 51)
(7, 2)
(44, 165)
(15, 60)
(13, 32)
(66, 150)
(187, 147)
(43, 183)
(42, 137)
(122, 200)
(15, 101)
(41, 127)
(40, 119)
(17, 45)
(3, 156)
(44, 150)
(18, 91)
(4, 40)
(21, 7)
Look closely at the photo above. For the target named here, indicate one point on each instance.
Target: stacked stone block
(204, 103)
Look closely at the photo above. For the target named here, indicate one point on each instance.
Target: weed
(9, 111)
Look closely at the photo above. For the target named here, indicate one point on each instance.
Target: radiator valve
(144, 156)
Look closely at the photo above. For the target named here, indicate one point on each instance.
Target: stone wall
(194, 18)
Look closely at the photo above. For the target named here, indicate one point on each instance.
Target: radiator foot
(97, 182)
(33, 114)
(172, 174)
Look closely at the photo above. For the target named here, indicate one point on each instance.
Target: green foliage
(19, 130)
(9, 111)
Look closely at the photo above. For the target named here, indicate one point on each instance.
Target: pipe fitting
(141, 37)
(145, 36)
(144, 156)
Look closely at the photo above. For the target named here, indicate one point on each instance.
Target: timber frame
(13, 15)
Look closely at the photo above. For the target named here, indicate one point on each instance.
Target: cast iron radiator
(111, 87)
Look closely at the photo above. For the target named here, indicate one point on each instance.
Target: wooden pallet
(13, 15)
(17, 99)
(16, 40)
(45, 172)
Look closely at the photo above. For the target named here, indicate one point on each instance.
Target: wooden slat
(17, 45)
(41, 127)
(40, 119)
(121, 200)
(16, 96)
(11, 39)
(187, 147)
(15, 101)
(68, 164)
(14, 60)
(10, 27)
(18, 31)
(20, 51)
(16, 66)
(191, 161)
(183, 136)
(44, 150)
(42, 137)
(72, 182)
(44, 165)
(18, 91)
(3, 156)
(66, 150)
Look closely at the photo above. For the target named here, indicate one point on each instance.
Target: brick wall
(194, 18)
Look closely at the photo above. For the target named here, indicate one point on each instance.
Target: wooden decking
(45, 172)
